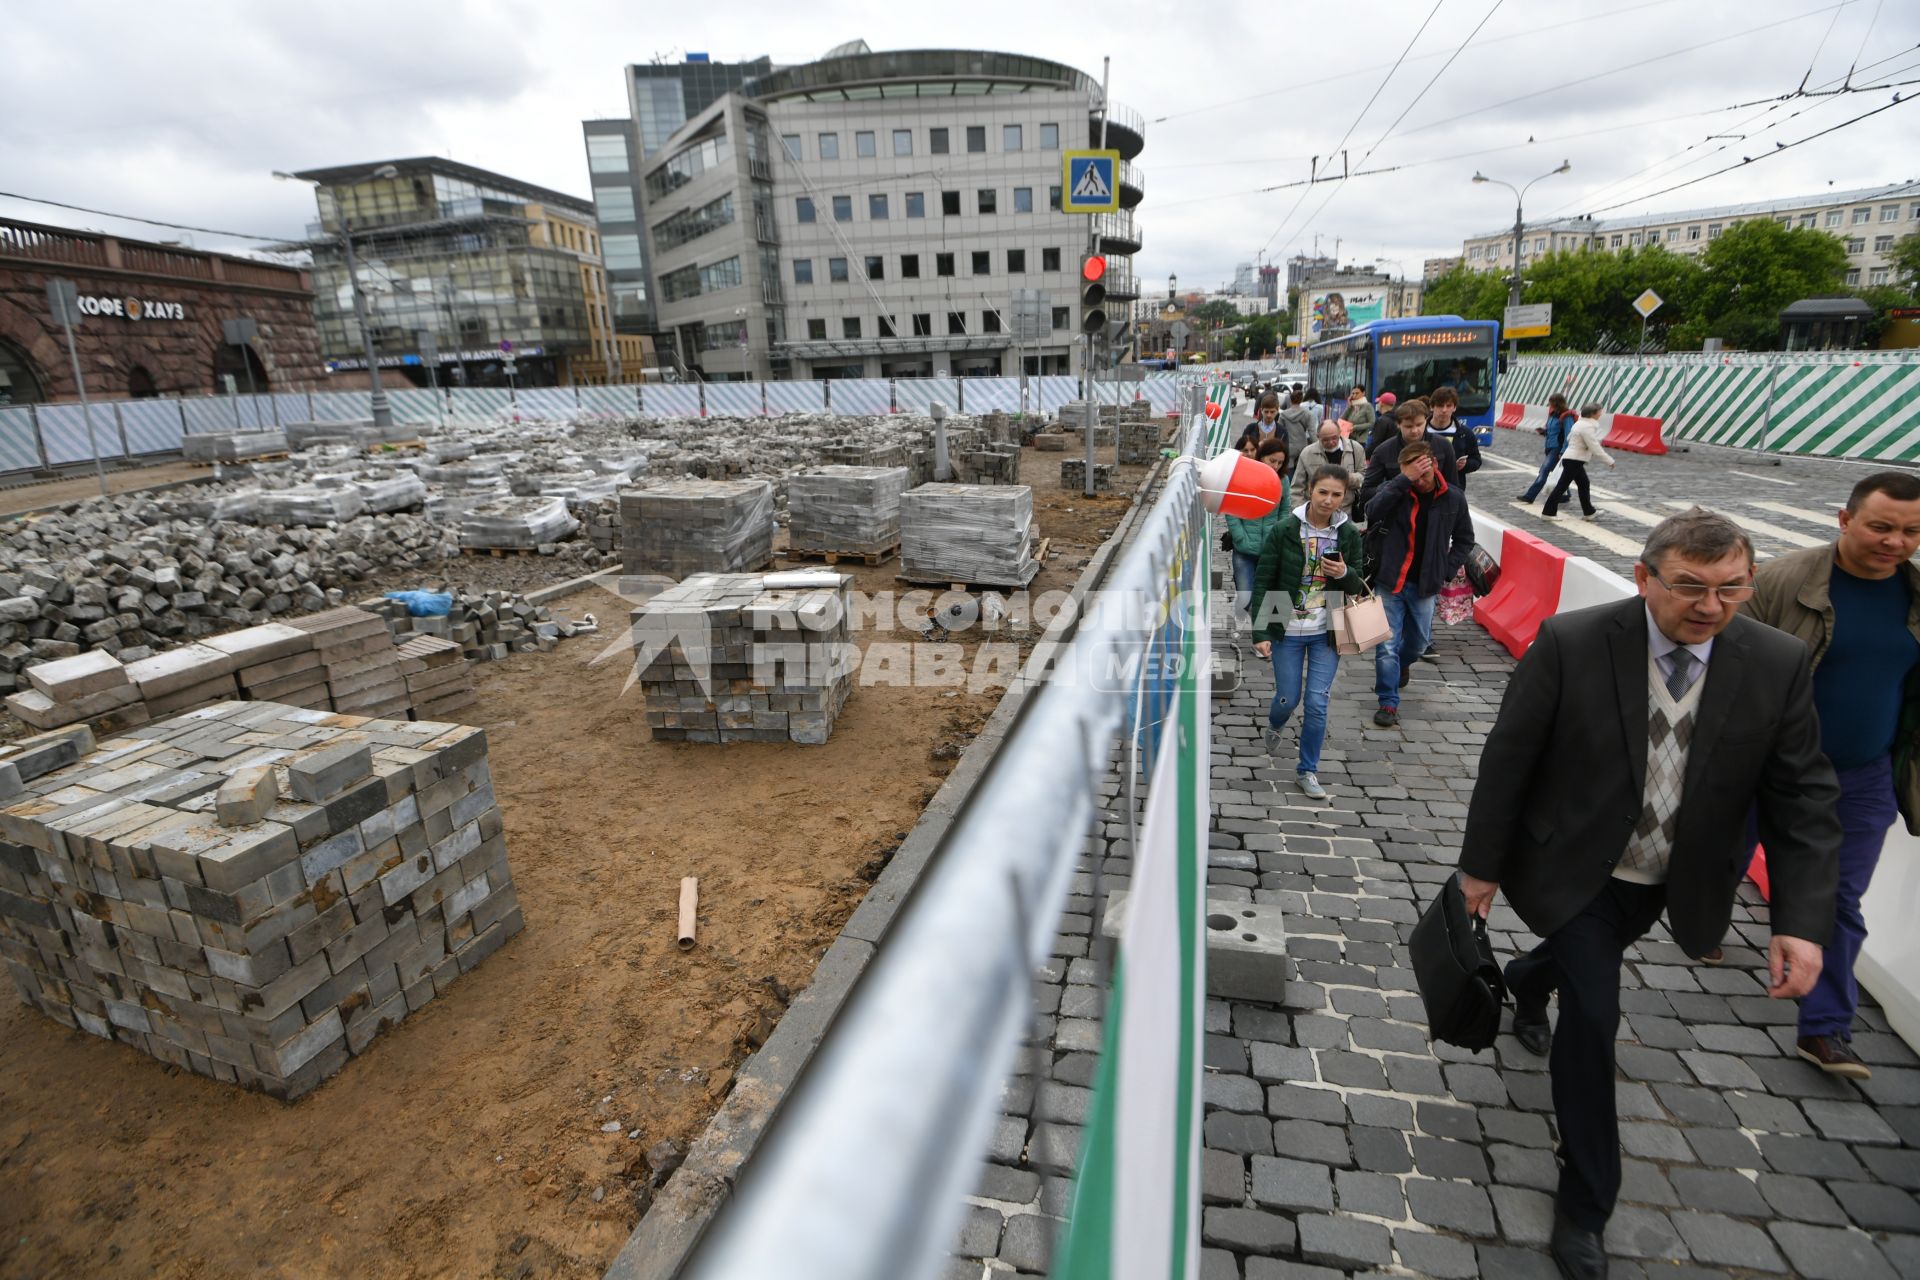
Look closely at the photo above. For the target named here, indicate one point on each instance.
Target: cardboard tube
(689, 904)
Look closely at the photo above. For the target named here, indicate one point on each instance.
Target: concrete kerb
(546, 595)
(686, 1206)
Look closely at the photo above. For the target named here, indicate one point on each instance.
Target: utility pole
(381, 410)
(63, 297)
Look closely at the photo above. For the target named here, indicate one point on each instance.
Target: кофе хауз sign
(131, 308)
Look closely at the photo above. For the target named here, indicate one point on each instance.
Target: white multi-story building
(1868, 220)
(885, 214)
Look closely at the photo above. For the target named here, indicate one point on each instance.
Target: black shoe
(1579, 1253)
(1387, 717)
(1406, 673)
(1528, 497)
(1533, 1031)
(1431, 655)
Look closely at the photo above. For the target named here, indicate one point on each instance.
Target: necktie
(1679, 673)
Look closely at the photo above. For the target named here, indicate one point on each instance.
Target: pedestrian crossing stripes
(1620, 544)
(1825, 519)
(1752, 525)
(1569, 531)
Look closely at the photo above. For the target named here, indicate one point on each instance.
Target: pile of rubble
(486, 626)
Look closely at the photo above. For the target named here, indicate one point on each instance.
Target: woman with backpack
(1582, 448)
(1247, 536)
(1559, 427)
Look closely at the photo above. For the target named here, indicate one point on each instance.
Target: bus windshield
(1466, 367)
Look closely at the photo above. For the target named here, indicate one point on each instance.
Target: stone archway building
(156, 309)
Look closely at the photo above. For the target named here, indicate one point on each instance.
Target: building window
(1809, 220)
(803, 206)
(909, 266)
(843, 208)
(1862, 215)
(829, 146)
(1023, 199)
(863, 143)
(1914, 213)
(956, 322)
(613, 204)
(950, 204)
(1856, 245)
(1540, 245)
(837, 270)
(1473, 251)
(691, 224)
(1010, 139)
(903, 142)
(1615, 243)
(678, 285)
(850, 326)
(976, 138)
(1634, 239)
(916, 204)
(943, 264)
(989, 200)
(923, 324)
(607, 153)
(1889, 213)
(1673, 235)
(803, 270)
(1049, 137)
(1878, 275)
(622, 253)
(1049, 259)
(877, 207)
(1786, 222)
(989, 321)
(1835, 217)
(876, 267)
(1713, 231)
(1693, 233)
(886, 326)
(1882, 244)
(982, 262)
(721, 275)
(1062, 317)
(816, 331)
(1853, 276)
(1053, 199)
(937, 141)
(791, 141)
(1016, 261)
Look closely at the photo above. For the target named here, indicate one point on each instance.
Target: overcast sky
(158, 109)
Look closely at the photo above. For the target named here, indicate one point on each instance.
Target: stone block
(319, 775)
(69, 679)
(1246, 946)
(246, 796)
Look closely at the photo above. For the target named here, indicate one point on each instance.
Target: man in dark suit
(1631, 745)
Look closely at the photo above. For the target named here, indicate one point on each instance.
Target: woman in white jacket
(1582, 448)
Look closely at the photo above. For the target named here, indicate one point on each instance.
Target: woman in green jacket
(1312, 550)
(1249, 536)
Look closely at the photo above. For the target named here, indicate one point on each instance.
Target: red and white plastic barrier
(1635, 434)
(1511, 411)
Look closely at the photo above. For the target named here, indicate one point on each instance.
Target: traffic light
(1093, 295)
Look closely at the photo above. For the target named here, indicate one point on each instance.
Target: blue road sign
(1091, 182)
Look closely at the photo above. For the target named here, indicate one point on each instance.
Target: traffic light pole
(1093, 247)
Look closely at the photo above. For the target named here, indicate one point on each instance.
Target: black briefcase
(1459, 979)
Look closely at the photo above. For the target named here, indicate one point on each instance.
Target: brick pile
(250, 891)
(967, 533)
(366, 674)
(485, 626)
(745, 657)
(697, 526)
(1073, 476)
(231, 446)
(847, 509)
(444, 684)
(1139, 434)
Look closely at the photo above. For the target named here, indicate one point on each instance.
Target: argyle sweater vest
(1669, 736)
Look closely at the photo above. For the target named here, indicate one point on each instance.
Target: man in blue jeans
(1426, 535)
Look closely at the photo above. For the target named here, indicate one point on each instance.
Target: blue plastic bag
(424, 604)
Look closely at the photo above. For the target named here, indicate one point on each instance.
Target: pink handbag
(1360, 624)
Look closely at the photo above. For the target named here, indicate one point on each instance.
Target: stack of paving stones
(967, 534)
(1338, 1142)
(252, 892)
(366, 674)
(998, 464)
(1139, 434)
(697, 526)
(485, 626)
(444, 683)
(69, 690)
(745, 657)
(847, 509)
(517, 524)
(1051, 442)
(866, 454)
(231, 446)
(1073, 476)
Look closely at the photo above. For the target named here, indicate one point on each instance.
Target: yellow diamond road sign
(1647, 303)
(1090, 182)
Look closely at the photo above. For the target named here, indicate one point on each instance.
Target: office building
(879, 214)
(1433, 268)
(1269, 287)
(487, 264)
(1867, 220)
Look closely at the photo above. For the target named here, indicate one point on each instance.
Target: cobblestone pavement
(1337, 1141)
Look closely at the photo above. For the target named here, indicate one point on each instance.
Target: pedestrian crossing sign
(1091, 183)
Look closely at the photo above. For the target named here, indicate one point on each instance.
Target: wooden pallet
(384, 446)
(210, 463)
(835, 557)
(499, 552)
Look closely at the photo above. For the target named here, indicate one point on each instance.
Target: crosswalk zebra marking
(1791, 537)
(1635, 514)
(1825, 519)
(1617, 543)
(1753, 475)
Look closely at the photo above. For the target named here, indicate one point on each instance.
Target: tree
(1905, 259)
(1592, 296)
(1464, 292)
(1883, 298)
(1258, 336)
(1211, 314)
(1750, 274)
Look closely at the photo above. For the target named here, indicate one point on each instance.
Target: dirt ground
(469, 1141)
(50, 493)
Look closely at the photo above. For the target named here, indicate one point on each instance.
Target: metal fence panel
(547, 402)
(985, 395)
(342, 406)
(671, 400)
(621, 402)
(293, 406)
(478, 404)
(64, 428)
(863, 395)
(420, 406)
(152, 426)
(792, 397)
(18, 450)
(216, 413)
(917, 395)
(734, 400)
(1057, 389)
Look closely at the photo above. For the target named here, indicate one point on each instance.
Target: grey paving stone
(1226, 1053)
(1414, 1075)
(1218, 1264)
(1442, 1257)
(1231, 1093)
(1636, 1102)
(1733, 1039)
(1279, 1269)
(1801, 1199)
(1647, 1065)
(1904, 1253)
(1526, 1217)
(1055, 1148)
(1243, 1135)
(1067, 1104)
(1380, 1150)
(1528, 1091)
(1280, 1183)
(1877, 1207)
(1853, 1122)
(1440, 1158)
(1396, 1037)
(1298, 1102)
(1652, 1141)
(1247, 1231)
(1524, 1166)
(1899, 1168)
(1643, 1183)
(1893, 1087)
(1823, 1253)
(1318, 1031)
(1471, 1082)
(1657, 1032)
(1501, 1263)
(1695, 1106)
(1443, 1121)
(1223, 1177)
(979, 1233)
(1377, 1195)
(1635, 1232)
(1344, 1242)
(1013, 1186)
(1520, 1128)
(1719, 1191)
(1380, 1111)
(1453, 1206)
(1273, 1063)
(1768, 1114)
(1310, 1140)
(1027, 1241)
(1355, 1071)
(1361, 1006)
(1716, 1239)
(1814, 1157)
(1008, 1141)
(1792, 1078)
(963, 1269)
(1725, 1149)
(1250, 1022)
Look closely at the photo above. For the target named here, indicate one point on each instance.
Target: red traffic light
(1093, 268)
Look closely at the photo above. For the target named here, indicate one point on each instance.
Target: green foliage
(1210, 315)
(1905, 259)
(1882, 298)
(1750, 274)
(1469, 294)
(1257, 337)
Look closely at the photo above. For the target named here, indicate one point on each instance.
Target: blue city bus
(1412, 357)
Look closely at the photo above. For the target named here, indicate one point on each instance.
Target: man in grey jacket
(1330, 450)
(1300, 419)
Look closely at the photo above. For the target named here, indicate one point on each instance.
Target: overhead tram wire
(151, 222)
(1377, 91)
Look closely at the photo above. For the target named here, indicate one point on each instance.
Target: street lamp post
(1519, 230)
(381, 410)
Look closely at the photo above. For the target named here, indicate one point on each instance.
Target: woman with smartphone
(1247, 536)
(1313, 550)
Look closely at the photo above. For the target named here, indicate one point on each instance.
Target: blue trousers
(1540, 481)
(1411, 617)
(1243, 568)
(1321, 662)
(1867, 808)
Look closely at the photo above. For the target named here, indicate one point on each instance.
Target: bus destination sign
(1432, 338)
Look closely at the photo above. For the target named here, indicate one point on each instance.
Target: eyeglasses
(1729, 593)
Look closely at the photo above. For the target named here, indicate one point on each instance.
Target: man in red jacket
(1426, 534)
